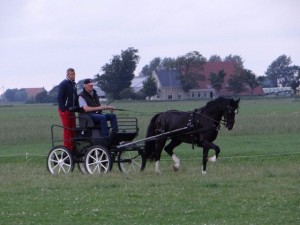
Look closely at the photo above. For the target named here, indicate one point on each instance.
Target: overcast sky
(40, 39)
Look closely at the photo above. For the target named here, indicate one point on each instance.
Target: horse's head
(230, 112)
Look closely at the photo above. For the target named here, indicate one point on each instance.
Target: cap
(88, 81)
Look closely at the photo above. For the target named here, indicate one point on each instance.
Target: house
(169, 86)
(229, 70)
(137, 83)
(136, 86)
(99, 91)
(32, 92)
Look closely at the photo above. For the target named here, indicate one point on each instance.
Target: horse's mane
(215, 104)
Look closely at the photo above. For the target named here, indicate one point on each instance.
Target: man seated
(90, 103)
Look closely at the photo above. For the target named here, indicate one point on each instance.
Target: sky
(40, 39)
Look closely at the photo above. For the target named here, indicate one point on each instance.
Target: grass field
(255, 181)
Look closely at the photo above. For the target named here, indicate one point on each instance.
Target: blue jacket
(67, 95)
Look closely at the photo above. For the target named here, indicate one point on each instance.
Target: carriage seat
(88, 129)
(85, 121)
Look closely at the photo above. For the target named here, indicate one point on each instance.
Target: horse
(198, 127)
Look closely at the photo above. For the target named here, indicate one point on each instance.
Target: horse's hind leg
(158, 149)
(169, 149)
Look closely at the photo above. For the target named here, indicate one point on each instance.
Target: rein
(222, 122)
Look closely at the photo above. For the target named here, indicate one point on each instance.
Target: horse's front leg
(217, 152)
(204, 159)
(206, 147)
(169, 149)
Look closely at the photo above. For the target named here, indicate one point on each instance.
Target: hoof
(157, 172)
(175, 168)
(203, 172)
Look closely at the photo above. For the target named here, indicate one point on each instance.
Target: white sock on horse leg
(175, 159)
(157, 165)
(212, 159)
(176, 162)
(203, 172)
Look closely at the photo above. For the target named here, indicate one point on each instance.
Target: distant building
(136, 86)
(284, 91)
(137, 83)
(99, 91)
(32, 92)
(169, 86)
(229, 69)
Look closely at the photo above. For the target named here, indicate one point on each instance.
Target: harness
(194, 123)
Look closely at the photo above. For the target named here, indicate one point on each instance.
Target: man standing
(67, 98)
(89, 102)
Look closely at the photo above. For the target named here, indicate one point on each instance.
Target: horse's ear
(237, 101)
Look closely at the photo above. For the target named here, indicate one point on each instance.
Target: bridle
(222, 122)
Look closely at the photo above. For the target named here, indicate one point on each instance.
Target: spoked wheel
(97, 160)
(131, 161)
(60, 161)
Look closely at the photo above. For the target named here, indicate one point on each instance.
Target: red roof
(32, 92)
(229, 69)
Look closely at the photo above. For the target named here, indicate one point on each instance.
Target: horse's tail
(150, 145)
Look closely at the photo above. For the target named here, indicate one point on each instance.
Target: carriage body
(92, 153)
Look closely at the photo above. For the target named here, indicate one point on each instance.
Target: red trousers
(68, 121)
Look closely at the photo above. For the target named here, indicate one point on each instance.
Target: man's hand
(108, 107)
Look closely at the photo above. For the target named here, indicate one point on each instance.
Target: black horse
(199, 127)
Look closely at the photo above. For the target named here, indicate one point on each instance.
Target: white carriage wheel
(131, 161)
(97, 160)
(60, 161)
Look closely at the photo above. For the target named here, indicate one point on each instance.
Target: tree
(80, 84)
(186, 65)
(21, 95)
(250, 79)
(264, 82)
(217, 80)
(215, 58)
(236, 84)
(9, 94)
(52, 95)
(15, 95)
(119, 73)
(42, 97)
(148, 69)
(236, 59)
(149, 87)
(168, 63)
(296, 82)
(281, 72)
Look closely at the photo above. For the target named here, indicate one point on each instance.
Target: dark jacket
(91, 100)
(67, 95)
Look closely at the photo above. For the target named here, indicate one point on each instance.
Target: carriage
(198, 127)
(92, 154)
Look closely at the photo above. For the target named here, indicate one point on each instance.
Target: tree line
(116, 76)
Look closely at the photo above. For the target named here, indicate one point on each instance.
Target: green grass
(252, 183)
(244, 191)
